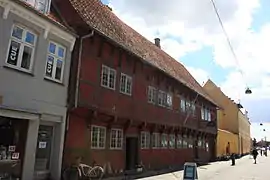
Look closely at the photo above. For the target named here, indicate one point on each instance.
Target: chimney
(157, 42)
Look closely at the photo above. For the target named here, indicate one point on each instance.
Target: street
(245, 169)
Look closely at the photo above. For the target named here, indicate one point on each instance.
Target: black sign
(49, 67)
(13, 54)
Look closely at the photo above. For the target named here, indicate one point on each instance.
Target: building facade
(35, 58)
(233, 125)
(130, 102)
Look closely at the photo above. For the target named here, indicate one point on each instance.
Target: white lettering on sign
(49, 66)
(13, 53)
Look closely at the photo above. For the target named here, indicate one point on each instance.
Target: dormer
(42, 6)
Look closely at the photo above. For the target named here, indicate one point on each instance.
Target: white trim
(145, 134)
(6, 11)
(39, 21)
(122, 137)
(18, 114)
(108, 77)
(125, 84)
(55, 58)
(21, 49)
(155, 134)
(101, 127)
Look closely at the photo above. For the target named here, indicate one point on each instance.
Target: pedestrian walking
(255, 154)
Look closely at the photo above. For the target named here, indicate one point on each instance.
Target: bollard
(233, 159)
(190, 171)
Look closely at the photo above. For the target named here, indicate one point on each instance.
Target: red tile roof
(103, 20)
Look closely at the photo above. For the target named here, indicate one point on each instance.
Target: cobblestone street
(244, 169)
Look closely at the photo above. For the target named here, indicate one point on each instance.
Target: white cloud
(199, 74)
(188, 25)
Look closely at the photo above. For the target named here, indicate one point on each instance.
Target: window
(190, 144)
(155, 140)
(179, 142)
(116, 139)
(40, 5)
(183, 105)
(152, 93)
(98, 137)
(172, 141)
(193, 108)
(205, 114)
(164, 141)
(169, 100)
(199, 143)
(125, 84)
(185, 144)
(108, 77)
(21, 49)
(207, 146)
(55, 62)
(145, 140)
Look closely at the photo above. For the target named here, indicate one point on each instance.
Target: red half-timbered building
(130, 102)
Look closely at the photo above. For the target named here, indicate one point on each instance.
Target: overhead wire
(228, 40)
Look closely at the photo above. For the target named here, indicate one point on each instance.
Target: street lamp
(248, 91)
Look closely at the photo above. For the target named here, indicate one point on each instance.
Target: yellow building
(233, 124)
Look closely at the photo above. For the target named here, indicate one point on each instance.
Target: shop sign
(190, 171)
(42, 145)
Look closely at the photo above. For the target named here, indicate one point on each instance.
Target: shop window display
(12, 144)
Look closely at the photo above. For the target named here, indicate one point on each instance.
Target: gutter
(79, 66)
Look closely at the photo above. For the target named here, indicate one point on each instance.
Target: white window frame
(145, 140)
(179, 142)
(110, 71)
(190, 142)
(22, 45)
(127, 78)
(156, 140)
(34, 3)
(151, 95)
(183, 105)
(117, 138)
(169, 100)
(162, 98)
(56, 57)
(185, 142)
(172, 141)
(99, 127)
(164, 141)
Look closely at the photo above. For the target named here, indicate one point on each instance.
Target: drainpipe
(79, 66)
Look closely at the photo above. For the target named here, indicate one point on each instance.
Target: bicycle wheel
(96, 172)
(71, 173)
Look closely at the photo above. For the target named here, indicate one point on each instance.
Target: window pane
(40, 5)
(52, 48)
(58, 72)
(111, 79)
(13, 53)
(105, 72)
(61, 52)
(17, 32)
(29, 38)
(49, 67)
(26, 57)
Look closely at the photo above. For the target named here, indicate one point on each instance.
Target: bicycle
(83, 172)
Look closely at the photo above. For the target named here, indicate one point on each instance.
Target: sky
(190, 32)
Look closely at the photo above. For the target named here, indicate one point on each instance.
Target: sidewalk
(204, 172)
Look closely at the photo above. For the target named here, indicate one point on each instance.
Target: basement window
(116, 139)
(145, 140)
(98, 137)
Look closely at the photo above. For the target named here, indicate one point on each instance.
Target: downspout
(79, 66)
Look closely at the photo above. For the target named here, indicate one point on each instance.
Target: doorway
(132, 152)
(44, 146)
